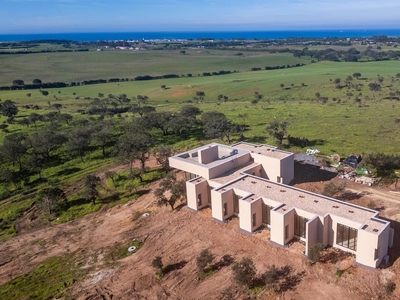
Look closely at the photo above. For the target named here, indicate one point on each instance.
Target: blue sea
(183, 35)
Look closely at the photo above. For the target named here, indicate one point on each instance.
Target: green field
(78, 66)
(341, 125)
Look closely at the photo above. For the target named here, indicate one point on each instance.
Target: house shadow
(394, 251)
(309, 173)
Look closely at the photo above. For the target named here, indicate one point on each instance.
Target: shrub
(331, 189)
(314, 253)
(204, 259)
(390, 286)
(271, 275)
(157, 263)
(244, 272)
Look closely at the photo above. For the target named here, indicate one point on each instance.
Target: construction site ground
(179, 236)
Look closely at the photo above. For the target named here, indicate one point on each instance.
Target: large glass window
(346, 237)
(190, 176)
(266, 214)
(300, 226)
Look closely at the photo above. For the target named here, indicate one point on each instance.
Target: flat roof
(292, 197)
(263, 149)
(225, 153)
(234, 173)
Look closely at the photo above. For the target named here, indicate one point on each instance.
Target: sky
(64, 16)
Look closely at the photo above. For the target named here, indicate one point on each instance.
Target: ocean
(183, 35)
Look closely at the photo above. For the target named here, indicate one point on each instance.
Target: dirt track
(179, 237)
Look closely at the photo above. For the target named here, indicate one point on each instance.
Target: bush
(271, 275)
(244, 272)
(390, 287)
(204, 259)
(331, 189)
(157, 263)
(314, 253)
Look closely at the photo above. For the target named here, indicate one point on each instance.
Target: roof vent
(268, 187)
(351, 211)
(375, 230)
(316, 201)
(283, 191)
(283, 209)
(335, 206)
(253, 182)
(301, 196)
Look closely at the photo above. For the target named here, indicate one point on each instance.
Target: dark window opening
(346, 237)
(266, 214)
(300, 226)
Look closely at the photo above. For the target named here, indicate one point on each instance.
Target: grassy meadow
(341, 125)
(78, 66)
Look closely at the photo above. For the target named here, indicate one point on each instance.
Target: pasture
(338, 125)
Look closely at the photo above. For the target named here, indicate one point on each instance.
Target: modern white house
(252, 182)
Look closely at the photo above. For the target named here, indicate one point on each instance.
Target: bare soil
(179, 236)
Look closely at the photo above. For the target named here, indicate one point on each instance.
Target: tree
(337, 81)
(357, 75)
(278, 129)
(170, 191)
(91, 192)
(102, 137)
(244, 272)
(43, 142)
(135, 146)
(33, 118)
(65, 118)
(111, 175)
(18, 82)
(57, 106)
(216, 125)
(142, 110)
(200, 95)
(162, 154)
(204, 259)
(78, 142)
(159, 120)
(51, 199)
(14, 148)
(9, 109)
(37, 82)
(163, 86)
(190, 111)
(282, 86)
(374, 87)
(44, 93)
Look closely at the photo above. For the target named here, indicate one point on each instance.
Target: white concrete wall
(271, 166)
(312, 233)
(209, 154)
(217, 207)
(287, 169)
(277, 228)
(188, 166)
(246, 211)
(367, 242)
(232, 163)
(245, 215)
(191, 195)
(289, 220)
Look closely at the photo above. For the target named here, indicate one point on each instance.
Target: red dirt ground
(179, 236)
